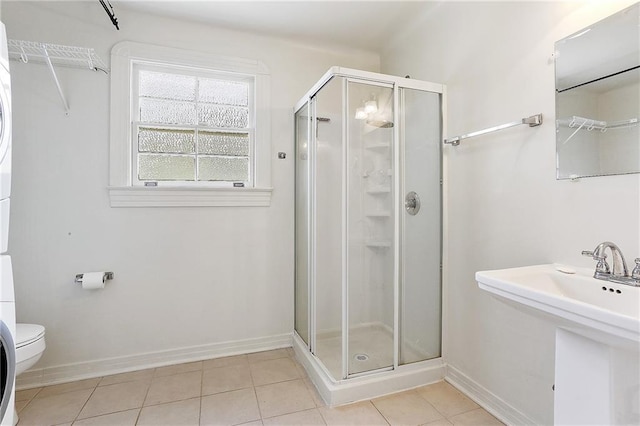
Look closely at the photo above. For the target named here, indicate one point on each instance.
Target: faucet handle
(602, 267)
(635, 274)
(593, 255)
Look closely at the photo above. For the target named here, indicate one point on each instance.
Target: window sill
(189, 197)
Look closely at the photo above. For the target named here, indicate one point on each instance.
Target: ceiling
(355, 24)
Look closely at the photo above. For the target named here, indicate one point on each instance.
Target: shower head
(380, 123)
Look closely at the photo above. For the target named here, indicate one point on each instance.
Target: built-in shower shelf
(378, 146)
(387, 172)
(378, 214)
(380, 190)
(378, 244)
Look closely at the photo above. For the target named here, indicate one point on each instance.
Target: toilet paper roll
(93, 280)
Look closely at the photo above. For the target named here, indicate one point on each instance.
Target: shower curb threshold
(370, 386)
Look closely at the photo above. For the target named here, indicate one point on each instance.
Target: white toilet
(29, 346)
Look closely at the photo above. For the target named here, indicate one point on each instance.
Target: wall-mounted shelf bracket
(55, 54)
(56, 81)
(533, 121)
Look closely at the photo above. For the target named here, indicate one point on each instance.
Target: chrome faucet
(618, 272)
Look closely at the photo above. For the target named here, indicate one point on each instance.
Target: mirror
(598, 98)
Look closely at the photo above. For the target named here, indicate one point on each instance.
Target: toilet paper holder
(107, 276)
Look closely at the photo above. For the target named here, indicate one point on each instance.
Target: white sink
(597, 342)
(601, 310)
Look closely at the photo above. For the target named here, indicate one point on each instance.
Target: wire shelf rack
(592, 124)
(66, 56)
(589, 124)
(50, 54)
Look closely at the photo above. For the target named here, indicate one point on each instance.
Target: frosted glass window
(223, 143)
(193, 125)
(167, 112)
(223, 116)
(223, 169)
(166, 140)
(156, 167)
(223, 92)
(167, 86)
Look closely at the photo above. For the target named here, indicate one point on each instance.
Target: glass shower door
(327, 166)
(302, 212)
(420, 214)
(370, 226)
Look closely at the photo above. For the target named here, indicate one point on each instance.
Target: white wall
(505, 207)
(183, 276)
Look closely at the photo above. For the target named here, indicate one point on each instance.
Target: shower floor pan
(368, 386)
(370, 348)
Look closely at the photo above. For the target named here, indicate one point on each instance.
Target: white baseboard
(104, 367)
(492, 403)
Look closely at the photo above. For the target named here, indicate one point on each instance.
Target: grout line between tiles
(255, 394)
(443, 414)
(110, 413)
(380, 412)
(85, 403)
(201, 388)
(200, 409)
(177, 400)
(146, 394)
(140, 413)
(202, 384)
(36, 394)
(29, 400)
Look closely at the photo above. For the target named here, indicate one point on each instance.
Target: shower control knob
(412, 203)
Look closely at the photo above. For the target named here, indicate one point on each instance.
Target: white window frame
(123, 188)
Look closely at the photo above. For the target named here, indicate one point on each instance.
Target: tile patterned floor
(265, 388)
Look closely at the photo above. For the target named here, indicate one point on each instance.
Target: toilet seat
(27, 334)
(30, 345)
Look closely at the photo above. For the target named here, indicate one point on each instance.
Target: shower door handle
(412, 203)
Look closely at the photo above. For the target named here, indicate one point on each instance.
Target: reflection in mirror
(598, 98)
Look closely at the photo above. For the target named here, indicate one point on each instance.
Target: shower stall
(368, 232)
